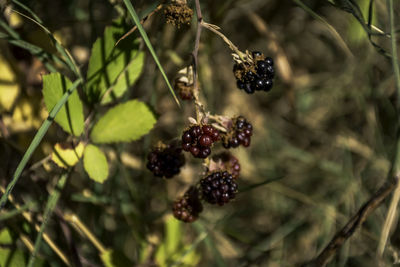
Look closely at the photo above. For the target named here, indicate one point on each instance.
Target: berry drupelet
(218, 187)
(239, 134)
(165, 161)
(199, 139)
(257, 76)
(188, 207)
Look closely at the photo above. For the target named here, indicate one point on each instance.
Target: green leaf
(11, 258)
(95, 163)
(70, 116)
(125, 122)
(8, 256)
(65, 156)
(113, 69)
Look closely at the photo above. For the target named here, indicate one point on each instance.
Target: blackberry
(218, 187)
(188, 207)
(199, 139)
(239, 134)
(165, 160)
(256, 75)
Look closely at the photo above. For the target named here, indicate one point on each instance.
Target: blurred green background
(323, 137)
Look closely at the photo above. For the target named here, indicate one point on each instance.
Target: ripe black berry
(239, 134)
(188, 207)
(198, 140)
(165, 161)
(256, 75)
(218, 187)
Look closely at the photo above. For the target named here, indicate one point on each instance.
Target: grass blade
(149, 46)
(36, 141)
(51, 204)
(335, 34)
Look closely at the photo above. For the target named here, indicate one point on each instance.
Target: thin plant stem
(391, 215)
(74, 220)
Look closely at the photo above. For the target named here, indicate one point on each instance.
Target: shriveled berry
(225, 162)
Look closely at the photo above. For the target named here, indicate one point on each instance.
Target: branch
(195, 53)
(355, 222)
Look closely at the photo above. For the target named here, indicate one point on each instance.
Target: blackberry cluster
(257, 76)
(188, 207)
(218, 188)
(198, 140)
(229, 163)
(165, 161)
(240, 134)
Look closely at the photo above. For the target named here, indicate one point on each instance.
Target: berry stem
(195, 53)
(215, 29)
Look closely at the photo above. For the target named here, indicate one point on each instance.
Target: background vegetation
(324, 138)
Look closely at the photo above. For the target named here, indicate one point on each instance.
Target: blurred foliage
(325, 135)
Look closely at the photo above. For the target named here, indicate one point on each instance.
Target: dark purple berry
(218, 188)
(165, 161)
(205, 140)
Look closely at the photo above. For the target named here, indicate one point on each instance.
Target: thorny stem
(195, 53)
(215, 29)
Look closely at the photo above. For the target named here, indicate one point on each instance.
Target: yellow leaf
(9, 88)
(66, 157)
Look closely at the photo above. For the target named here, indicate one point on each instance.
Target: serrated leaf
(113, 67)
(111, 258)
(123, 123)
(70, 116)
(126, 78)
(66, 157)
(9, 87)
(95, 163)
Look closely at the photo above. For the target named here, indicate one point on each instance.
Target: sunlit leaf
(67, 156)
(113, 69)
(125, 122)
(95, 163)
